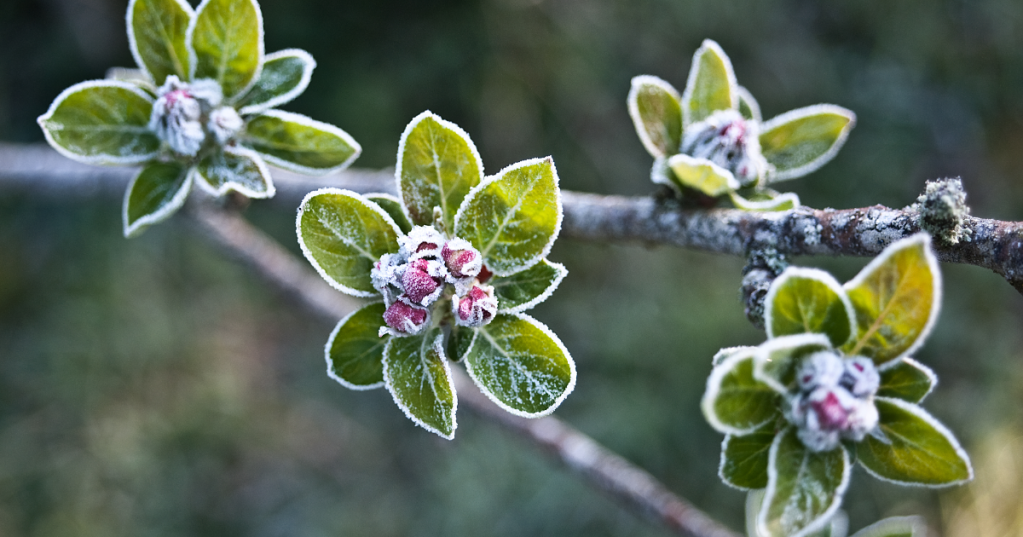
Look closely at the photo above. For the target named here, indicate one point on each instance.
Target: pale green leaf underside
(227, 38)
(224, 171)
(781, 356)
(158, 28)
(805, 303)
(806, 486)
(355, 351)
(735, 399)
(527, 287)
(417, 377)
(513, 219)
(804, 140)
(293, 139)
(744, 458)
(748, 106)
(764, 201)
(657, 115)
(392, 207)
(710, 86)
(154, 194)
(439, 165)
(902, 526)
(282, 79)
(520, 365)
(344, 237)
(702, 175)
(908, 380)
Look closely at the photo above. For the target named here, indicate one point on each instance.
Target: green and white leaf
(355, 350)
(437, 167)
(392, 206)
(802, 140)
(285, 75)
(702, 174)
(908, 380)
(724, 353)
(711, 84)
(656, 110)
(896, 526)
(520, 365)
(808, 301)
(343, 234)
(747, 105)
(133, 76)
(777, 359)
(419, 379)
(896, 298)
(804, 489)
(158, 190)
(459, 341)
(513, 217)
(837, 526)
(744, 458)
(735, 402)
(765, 203)
(157, 34)
(300, 144)
(226, 40)
(525, 289)
(101, 122)
(913, 448)
(235, 168)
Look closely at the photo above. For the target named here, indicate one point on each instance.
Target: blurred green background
(152, 387)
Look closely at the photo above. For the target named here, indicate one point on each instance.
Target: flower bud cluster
(414, 279)
(185, 113)
(834, 400)
(730, 141)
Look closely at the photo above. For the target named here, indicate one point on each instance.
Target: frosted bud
(386, 277)
(224, 124)
(476, 308)
(730, 141)
(422, 241)
(462, 260)
(826, 415)
(860, 377)
(862, 419)
(422, 281)
(823, 368)
(404, 320)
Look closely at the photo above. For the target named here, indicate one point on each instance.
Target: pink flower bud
(476, 308)
(405, 319)
(420, 286)
(462, 260)
(177, 113)
(421, 242)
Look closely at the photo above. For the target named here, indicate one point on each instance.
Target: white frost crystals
(834, 400)
(730, 141)
(184, 112)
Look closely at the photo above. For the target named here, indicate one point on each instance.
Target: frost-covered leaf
(392, 206)
(355, 350)
(837, 526)
(459, 341)
(724, 353)
(896, 526)
(908, 380)
(744, 458)
(802, 140)
(157, 31)
(418, 377)
(235, 168)
(777, 359)
(896, 298)
(513, 217)
(525, 289)
(101, 122)
(300, 144)
(158, 190)
(808, 301)
(736, 403)
(285, 75)
(343, 234)
(656, 110)
(748, 106)
(804, 489)
(765, 202)
(711, 85)
(226, 38)
(437, 167)
(520, 365)
(913, 448)
(702, 174)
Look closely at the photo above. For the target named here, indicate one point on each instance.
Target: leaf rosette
(198, 110)
(835, 384)
(711, 139)
(452, 264)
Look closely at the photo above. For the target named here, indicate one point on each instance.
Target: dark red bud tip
(830, 412)
(484, 275)
(426, 246)
(404, 318)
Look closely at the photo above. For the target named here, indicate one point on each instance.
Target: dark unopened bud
(421, 242)
(404, 319)
(730, 141)
(476, 308)
(420, 283)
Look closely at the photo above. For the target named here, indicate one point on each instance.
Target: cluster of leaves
(512, 219)
(884, 314)
(110, 121)
(788, 146)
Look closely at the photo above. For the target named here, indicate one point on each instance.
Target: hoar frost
(834, 400)
(730, 141)
(185, 113)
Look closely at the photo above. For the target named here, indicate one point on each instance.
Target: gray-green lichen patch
(942, 208)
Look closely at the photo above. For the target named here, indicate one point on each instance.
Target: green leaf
(765, 202)
(300, 144)
(101, 122)
(896, 526)
(524, 290)
(355, 350)
(913, 449)
(777, 359)
(521, 365)
(656, 113)
(735, 403)
(800, 141)
(418, 377)
(392, 206)
(238, 169)
(343, 234)
(896, 298)
(157, 31)
(158, 190)
(744, 458)
(459, 341)
(226, 38)
(808, 301)
(285, 75)
(804, 489)
(724, 353)
(837, 526)
(437, 167)
(907, 379)
(711, 85)
(748, 106)
(513, 217)
(702, 174)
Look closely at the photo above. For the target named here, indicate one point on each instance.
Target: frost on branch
(943, 209)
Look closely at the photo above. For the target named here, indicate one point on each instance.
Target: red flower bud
(477, 307)
(419, 286)
(406, 319)
(462, 260)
